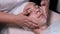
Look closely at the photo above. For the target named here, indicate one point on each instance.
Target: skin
(32, 21)
(44, 8)
(32, 10)
(38, 13)
(20, 20)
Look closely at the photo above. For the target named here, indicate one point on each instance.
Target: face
(31, 7)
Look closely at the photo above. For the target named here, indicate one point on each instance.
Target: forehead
(31, 4)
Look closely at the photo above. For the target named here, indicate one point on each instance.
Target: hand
(44, 15)
(39, 17)
(39, 30)
(44, 7)
(23, 20)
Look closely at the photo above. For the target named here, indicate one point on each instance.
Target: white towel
(19, 9)
(8, 5)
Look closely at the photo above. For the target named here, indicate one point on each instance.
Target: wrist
(17, 20)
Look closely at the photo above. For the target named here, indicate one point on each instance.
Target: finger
(38, 21)
(31, 23)
(29, 26)
(33, 20)
(44, 3)
(26, 25)
(45, 11)
(25, 12)
(45, 7)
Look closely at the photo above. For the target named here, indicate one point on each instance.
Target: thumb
(44, 3)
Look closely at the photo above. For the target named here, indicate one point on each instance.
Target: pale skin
(20, 20)
(23, 20)
(44, 8)
(40, 14)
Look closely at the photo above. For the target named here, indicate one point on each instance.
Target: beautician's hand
(43, 13)
(41, 20)
(44, 7)
(39, 17)
(43, 16)
(23, 20)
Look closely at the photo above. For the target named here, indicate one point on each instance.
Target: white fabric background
(7, 5)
